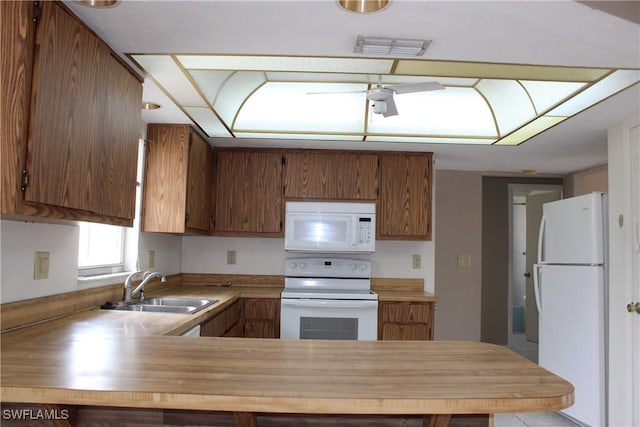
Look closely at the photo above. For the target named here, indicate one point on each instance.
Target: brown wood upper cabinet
(248, 193)
(331, 176)
(72, 124)
(404, 205)
(178, 181)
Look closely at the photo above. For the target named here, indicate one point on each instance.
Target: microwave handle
(356, 231)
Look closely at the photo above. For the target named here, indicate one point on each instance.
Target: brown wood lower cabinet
(405, 320)
(261, 317)
(224, 324)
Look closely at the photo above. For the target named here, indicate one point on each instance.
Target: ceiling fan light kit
(380, 107)
(380, 46)
(363, 6)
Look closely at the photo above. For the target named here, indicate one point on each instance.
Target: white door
(635, 269)
(624, 280)
(534, 204)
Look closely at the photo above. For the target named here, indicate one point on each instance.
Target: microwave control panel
(366, 230)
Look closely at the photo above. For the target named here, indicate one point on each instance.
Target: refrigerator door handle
(636, 226)
(543, 222)
(536, 288)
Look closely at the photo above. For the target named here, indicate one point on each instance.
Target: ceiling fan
(382, 96)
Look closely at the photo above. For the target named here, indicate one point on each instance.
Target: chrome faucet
(146, 277)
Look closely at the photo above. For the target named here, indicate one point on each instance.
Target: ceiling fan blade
(416, 87)
(392, 110)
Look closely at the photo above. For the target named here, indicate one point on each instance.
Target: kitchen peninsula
(100, 358)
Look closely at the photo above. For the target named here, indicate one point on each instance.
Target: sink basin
(179, 302)
(169, 305)
(157, 308)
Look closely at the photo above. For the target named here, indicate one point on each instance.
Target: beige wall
(458, 231)
(474, 300)
(587, 181)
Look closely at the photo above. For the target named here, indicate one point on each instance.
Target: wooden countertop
(279, 376)
(128, 359)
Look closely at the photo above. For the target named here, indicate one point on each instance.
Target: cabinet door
(248, 193)
(404, 206)
(165, 178)
(199, 184)
(17, 33)
(85, 115)
(331, 176)
(261, 317)
(405, 320)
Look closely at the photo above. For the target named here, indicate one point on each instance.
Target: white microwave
(330, 227)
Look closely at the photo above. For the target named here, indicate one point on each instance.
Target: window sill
(103, 279)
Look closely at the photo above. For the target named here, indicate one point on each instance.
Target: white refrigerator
(570, 284)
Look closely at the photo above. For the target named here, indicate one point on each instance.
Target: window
(100, 249)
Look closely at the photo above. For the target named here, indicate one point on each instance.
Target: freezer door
(572, 231)
(572, 339)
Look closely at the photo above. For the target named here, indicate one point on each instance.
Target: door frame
(516, 189)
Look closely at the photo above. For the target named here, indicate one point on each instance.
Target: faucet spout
(128, 283)
(147, 276)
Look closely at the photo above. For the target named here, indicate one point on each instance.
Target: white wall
(20, 241)
(267, 256)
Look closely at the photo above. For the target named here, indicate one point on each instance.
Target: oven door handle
(328, 303)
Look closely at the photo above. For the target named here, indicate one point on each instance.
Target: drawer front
(406, 312)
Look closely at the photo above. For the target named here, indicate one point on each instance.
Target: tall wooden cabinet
(331, 175)
(71, 119)
(178, 181)
(248, 193)
(404, 205)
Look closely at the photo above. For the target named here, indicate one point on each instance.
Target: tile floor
(529, 350)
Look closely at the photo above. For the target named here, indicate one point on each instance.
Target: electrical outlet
(231, 257)
(416, 261)
(41, 266)
(464, 261)
(152, 259)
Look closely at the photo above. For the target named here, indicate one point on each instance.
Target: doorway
(496, 317)
(524, 219)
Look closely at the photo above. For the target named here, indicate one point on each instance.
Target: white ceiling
(523, 32)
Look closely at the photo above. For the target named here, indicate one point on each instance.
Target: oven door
(329, 319)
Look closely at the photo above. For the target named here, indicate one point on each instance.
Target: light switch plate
(416, 261)
(41, 266)
(464, 261)
(231, 257)
(152, 259)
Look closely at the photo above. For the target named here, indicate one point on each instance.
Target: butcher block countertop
(279, 376)
(128, 359)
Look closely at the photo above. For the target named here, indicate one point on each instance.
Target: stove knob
(303, 265)
(293, 265)
(353, 266)
(363, 267)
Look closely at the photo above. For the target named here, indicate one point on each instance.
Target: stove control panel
(327, 267)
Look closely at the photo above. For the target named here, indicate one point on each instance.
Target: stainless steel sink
(169, 305)
(157, 308)
(179, 302)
